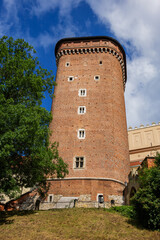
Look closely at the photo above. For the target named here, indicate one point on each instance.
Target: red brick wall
(105, 147)
(75, 188)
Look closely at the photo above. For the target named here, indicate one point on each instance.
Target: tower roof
(77, 39)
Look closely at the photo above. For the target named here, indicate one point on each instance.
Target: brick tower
(89, 120)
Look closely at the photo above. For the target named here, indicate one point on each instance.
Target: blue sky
(134, 23)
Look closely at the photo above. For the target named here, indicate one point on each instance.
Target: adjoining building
(143, 142)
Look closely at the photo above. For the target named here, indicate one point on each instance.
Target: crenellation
(143, 126)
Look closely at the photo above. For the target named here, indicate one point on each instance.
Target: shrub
(126, 211)
(146, 201)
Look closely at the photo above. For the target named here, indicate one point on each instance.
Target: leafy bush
(146, 201)
(126, 211)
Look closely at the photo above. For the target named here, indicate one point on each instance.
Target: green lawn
(69, 224)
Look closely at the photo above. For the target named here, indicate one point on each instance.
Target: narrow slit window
(50, 198)
(81, 110)
(82, 92)
(81, 134)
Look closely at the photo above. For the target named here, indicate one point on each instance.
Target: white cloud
(65, 7)
(8, 16)
(139, 95)
(137, 23)
(64, 28)
(46, 39)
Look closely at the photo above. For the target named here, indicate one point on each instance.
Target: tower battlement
(92, 45)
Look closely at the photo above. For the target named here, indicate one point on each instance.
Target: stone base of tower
(86, 192)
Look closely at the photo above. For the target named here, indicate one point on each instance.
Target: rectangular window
(50, 198)
(81, 134)
(82, 92)
(79, 162)
(81, 110)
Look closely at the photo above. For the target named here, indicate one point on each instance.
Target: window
(79, 162)
(67, 64)
(100, 62)
(97, 77)
(82, 92)
(70, 78)
(112, 202)
(100, 198)
(50, 198)
(81, 134)
(81, 110)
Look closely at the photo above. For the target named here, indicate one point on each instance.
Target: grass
(67, 224)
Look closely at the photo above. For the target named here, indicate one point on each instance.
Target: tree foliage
(25, 153)
(146, 201)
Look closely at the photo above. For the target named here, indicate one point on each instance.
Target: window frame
(79, 162)
(69, 80)
(78, 134)
(82, 89)
(97, 76)
(50, 195)
(98, 197)
(67, 64)
(79, 110)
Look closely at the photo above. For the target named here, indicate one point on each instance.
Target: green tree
(146, 201)
(26, 157)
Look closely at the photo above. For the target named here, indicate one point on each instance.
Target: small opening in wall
(70, 78)
(67, 64)
(82, 92)
(100, 62)
(81, 134)
(112, 202)
(97, 77)
(100, 198)
(50, 198)
(81, 110)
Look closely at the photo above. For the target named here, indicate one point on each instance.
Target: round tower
(89, 119)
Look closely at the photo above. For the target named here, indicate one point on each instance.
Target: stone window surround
(81, 134)
(70, 78)
(79, 160)
(67, 64)
(98, 194)
(81, 110)
(50, 197)
(97, 77)
(82, 92)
